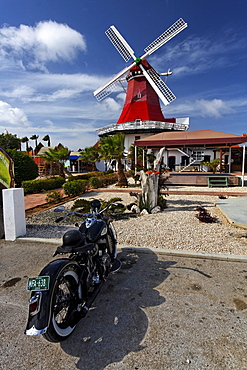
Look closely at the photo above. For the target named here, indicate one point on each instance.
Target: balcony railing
(145, 125)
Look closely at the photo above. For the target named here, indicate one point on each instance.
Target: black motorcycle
(66, 287)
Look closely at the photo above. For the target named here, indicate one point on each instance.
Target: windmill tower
(141, 114)
(141, 102)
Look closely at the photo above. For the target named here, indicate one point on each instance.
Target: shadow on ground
(117, 324)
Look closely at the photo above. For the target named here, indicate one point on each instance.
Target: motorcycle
(65, 289)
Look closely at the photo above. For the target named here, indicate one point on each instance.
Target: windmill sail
(110, 85)
(172, 31)
(166, 92)
(162, 90)
(120, 43)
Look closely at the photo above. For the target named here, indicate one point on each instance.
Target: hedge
(38, 186)
(88, 175)
(71, 188)
(76, 187)
(104, 180)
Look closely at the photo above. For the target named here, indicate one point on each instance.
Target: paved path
(235, 210)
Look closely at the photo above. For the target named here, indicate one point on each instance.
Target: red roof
(188, 138)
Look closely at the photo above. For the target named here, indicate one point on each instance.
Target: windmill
(145, 87)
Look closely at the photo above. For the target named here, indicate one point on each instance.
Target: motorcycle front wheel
(66, 295)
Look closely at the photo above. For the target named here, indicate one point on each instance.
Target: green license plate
(38, 283)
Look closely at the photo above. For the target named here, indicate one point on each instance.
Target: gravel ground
(174, 228)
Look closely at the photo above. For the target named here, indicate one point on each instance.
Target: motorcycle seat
(83, 248)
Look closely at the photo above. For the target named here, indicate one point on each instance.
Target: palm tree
(47, 138)
(131, 156)
(90, 154)
(35, 137)
(25, 140)
(112, 147)
(59, 155)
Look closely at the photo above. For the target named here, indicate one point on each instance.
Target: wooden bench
(217, 181)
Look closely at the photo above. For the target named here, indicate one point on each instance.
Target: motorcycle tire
(66, 293)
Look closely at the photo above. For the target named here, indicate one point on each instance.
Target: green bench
(217, 181)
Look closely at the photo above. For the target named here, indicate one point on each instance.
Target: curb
(168, 252)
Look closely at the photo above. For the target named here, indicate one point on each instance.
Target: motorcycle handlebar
(88, 214)
(59, 219)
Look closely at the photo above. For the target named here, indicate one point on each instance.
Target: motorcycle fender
(38, 323)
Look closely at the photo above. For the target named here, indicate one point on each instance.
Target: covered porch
(186, 151)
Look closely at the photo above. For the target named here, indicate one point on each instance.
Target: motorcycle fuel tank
(96, 230)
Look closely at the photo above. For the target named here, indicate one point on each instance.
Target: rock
(144, 212)
(135, 209)
(156, 209)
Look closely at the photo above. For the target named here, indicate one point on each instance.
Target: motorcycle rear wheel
(65, 299)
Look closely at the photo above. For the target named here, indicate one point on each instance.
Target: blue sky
(54, 54)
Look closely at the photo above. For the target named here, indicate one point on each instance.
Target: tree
(35, 138)
(112, 147)
(90, 154)
(60, 155)
(212, 165)
(9, 141)
(24, 166)
(25, 140)
(131, 156)
(47, 138)
(150, 184)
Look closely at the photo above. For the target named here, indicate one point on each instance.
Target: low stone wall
(199, 179)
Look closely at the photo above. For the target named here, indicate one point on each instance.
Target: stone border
(169, 252)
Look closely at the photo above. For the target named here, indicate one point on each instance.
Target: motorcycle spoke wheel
(65, 298)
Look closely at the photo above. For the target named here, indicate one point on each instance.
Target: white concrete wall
(130, 138)
(14, 213)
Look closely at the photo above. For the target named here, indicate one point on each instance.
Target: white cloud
(200, 54)
(12, 116)
(22, 91)
(212, 108)
(121, 97)
(46, 87)
(215, 108)
(33, 47)
(110, 103)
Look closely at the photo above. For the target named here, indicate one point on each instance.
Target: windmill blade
(172, 31)
(106, 91)
(161, 89)
(120, 43)
(103, 91)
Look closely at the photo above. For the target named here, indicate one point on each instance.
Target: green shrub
(83, 204)
(38, 186)
(88, 175)
(94, 182)
(212, 165)
(85, 176)
(108, 179)
(162, 202)
(53, 196)
(144, 203)
(24, 166)
(76, 187)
